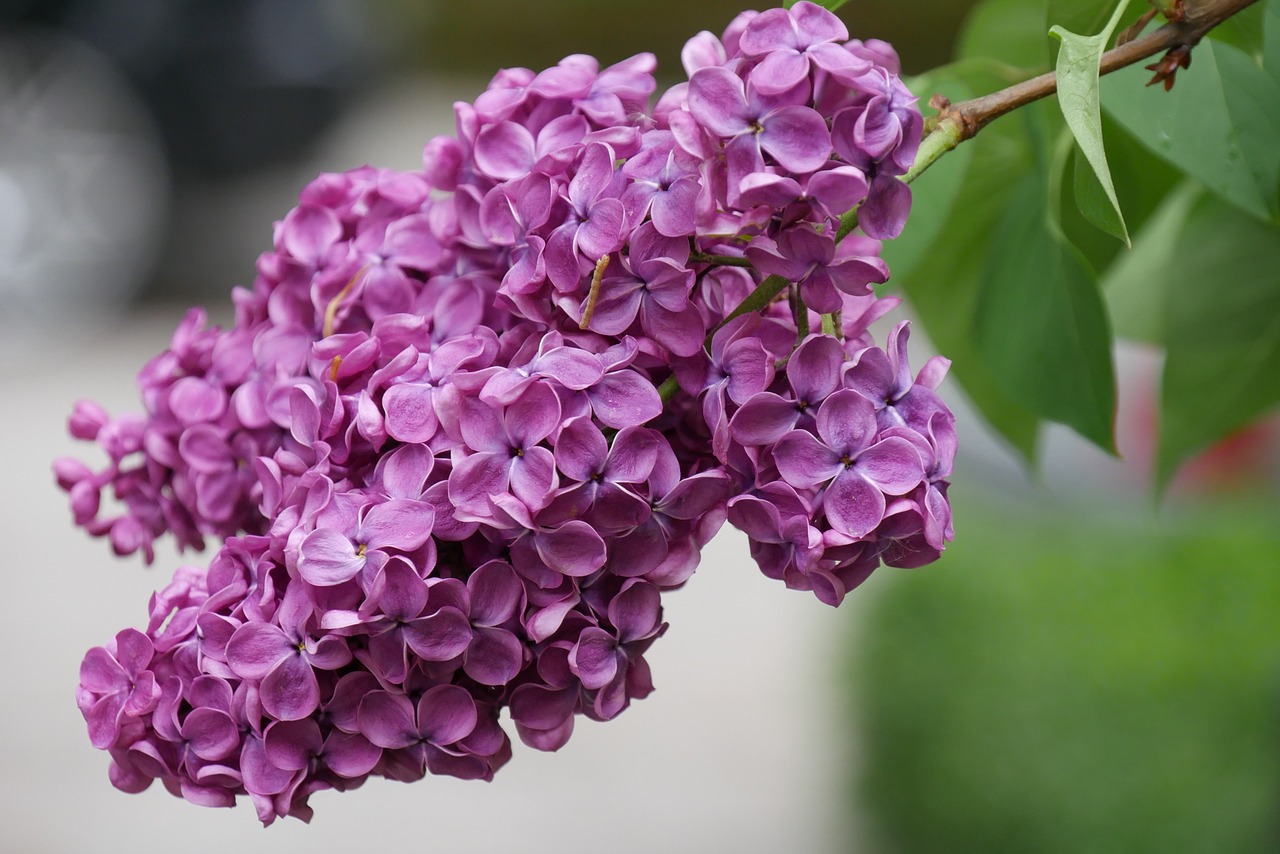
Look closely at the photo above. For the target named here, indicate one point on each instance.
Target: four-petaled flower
(856, 470)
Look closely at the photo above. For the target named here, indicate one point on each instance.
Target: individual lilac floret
(789, 41)
(856, 471)
(594, 225)
(752, 124)
(116, 686)
(813, 372)
(282, 657)
(821, 268)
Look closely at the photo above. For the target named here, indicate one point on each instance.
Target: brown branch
(961, 121)
(1198, 18)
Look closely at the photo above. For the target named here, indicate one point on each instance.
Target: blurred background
(1088, 668)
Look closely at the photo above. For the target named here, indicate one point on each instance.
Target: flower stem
(757, 300)
(800, 314)
(331, 310)
(833, 325)
(719, 260)
(668, 389)
(593, 296)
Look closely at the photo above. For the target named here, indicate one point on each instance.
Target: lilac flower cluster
(470, 422)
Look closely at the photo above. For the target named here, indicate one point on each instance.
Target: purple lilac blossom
(431, 449)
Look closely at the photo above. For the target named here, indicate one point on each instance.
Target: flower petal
(891, 464)
(574, 549)
(386, 719)
(350, 755)
(400, 523)
(853, 504)
(446, 714)
(494, 657)
(256, 648)
(847, 422)
(440, 637)
(290, 691)
(326, 558)
(803, 461)
(594, 658)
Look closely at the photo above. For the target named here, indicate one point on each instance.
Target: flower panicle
(432, 447)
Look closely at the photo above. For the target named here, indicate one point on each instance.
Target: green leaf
(1077, 16)
(1271, 38)
(1135, 286)
(939, 259)
(1093, 200)
(1006, 30)
(1243, 30)
(1222, 368)
(1141, 183)
(1042, 330)
(1074, 681)
(1077, 72)
(1219, 124)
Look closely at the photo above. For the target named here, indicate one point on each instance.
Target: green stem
(800, 314)
(958, 122)
(833, 325)
(719, 260)
(757, 300)
(668, 389)
(848, 223)
(946, 136)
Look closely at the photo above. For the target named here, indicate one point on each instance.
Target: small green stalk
(669, 388)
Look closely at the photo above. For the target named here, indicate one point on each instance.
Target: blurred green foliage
(1007, 258)
(1069, 683)
(481, 36)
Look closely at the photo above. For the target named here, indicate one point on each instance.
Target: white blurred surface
(737, 750)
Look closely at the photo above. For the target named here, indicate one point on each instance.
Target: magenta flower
(426, 731)
(405, 622)
(329, 555)
(606, 661)
(115, 685)
(665, 186)
(506, 151)
(593, 226)
(511, 215)
(856, 470)
(568, 366)
(783, 542)
(653, 284)
(283, 658)
(432, 450)
(885, 125)
(508, 455)
(543, 711)
(737, 368)
(812, 260)
(389, 253)
(210, 730)
(496, 596)
(884, 378)
(606, 475)
(300, 746)
(813, 372)
(754, 123)
(788, 41)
